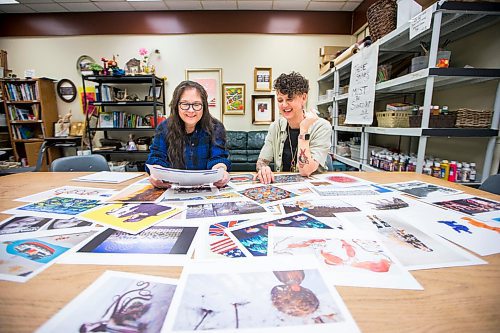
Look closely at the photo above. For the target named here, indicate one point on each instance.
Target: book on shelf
(18, 113)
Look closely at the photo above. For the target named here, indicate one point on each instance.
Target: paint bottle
(473, 172)
(445, 169)
(459, 171)
(452, 177)
(427, 169)
(436, 170)
(465, 173)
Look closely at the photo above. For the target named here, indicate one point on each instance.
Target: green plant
(95, 67)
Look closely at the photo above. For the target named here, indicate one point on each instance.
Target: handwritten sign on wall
(362, 86)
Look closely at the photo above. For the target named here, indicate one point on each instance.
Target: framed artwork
(211, 80)
(233, 101)
(262, 109)
(262, 79)
(157, 92)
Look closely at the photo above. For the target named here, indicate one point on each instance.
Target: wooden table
(458, 299)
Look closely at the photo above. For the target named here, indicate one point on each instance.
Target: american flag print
(227, 248)
(217, 229)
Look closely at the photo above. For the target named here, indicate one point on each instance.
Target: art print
(342, 179)
(131, 218)
(176, 193)
(56, 207)
(216, 243)
(138, 193)
(254, 235)
(335, 191)
(117, 302)
(480, 208)
(28, 226)
(246, 178)
(292, 178)
(414, 248)
(157, 245)
(21, 259)
(422, 189)
(258, 296)
(319, 207)
(267, 194)
(71, 192)
(350, 259)
(220, 209)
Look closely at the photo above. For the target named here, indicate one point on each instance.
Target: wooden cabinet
(31, 111)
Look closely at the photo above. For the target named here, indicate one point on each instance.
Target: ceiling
(54, 6)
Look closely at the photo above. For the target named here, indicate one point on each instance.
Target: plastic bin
(442, 60)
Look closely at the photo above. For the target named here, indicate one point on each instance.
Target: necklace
(293, 164)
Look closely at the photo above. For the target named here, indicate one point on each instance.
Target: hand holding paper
(184, 177)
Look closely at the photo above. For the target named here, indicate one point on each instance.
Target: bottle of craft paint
(436, 170)
(452, 177)
(445, 169)
(465, 173)
(473, 172)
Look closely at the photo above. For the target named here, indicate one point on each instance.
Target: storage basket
(382, 16)
(473, 118)
(439, 121)
(393, 119)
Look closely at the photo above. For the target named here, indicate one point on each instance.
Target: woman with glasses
(299, 141)
(190, 138)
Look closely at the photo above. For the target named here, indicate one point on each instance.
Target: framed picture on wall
(211, 80)
(262, 109)
(262, 78)
(233, 98)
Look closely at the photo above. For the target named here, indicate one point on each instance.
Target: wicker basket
(439, 121)
(473, 118)
(393, 119)
(382, 17)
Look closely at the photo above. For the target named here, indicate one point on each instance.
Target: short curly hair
(291, 84)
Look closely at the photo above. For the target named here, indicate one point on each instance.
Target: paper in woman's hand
(186, 177)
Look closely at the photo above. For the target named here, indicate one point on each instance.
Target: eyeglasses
(196, 106)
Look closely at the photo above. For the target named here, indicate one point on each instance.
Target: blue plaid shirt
(199, 152)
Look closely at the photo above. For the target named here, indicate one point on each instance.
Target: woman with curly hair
(299, 141)
(190, 138)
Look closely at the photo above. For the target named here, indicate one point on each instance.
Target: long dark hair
(176, 134)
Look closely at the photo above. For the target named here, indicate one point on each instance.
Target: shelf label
(421, 22)
(362, 86)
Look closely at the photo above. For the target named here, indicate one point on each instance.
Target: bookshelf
(31, 111)
(127, 105)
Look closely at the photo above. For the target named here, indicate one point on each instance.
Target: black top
(287, 153)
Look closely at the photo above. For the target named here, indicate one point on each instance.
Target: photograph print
(117, 302)
(257, 297)
(254, 235)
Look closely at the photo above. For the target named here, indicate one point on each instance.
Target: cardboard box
(325, 50)
(325, 68)
(327, 58)
(32, 149)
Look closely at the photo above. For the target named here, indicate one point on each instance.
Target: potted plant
(96, 68)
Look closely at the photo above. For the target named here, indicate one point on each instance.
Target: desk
(458, 299)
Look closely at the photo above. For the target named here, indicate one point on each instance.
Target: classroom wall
(236, 54)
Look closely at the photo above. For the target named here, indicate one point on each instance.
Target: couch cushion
(236, 140)
(238, 151)
(256, 139)
(237, 158)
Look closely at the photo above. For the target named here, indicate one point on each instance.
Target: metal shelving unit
(453, 21)
(156, 106)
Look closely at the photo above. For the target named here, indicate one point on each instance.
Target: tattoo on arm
(262, 163)
(303, 160)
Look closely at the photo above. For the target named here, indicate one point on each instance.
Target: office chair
(80, 163)
(329, 162)
(491, 184)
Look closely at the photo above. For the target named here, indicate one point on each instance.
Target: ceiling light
(8, 2)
